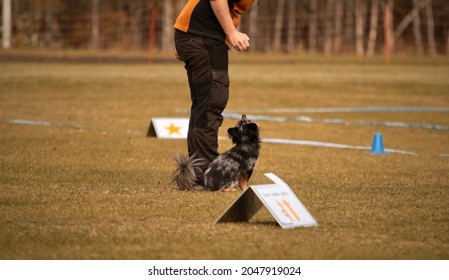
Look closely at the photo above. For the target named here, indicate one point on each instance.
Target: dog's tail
(186, 172)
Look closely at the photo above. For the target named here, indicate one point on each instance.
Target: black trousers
(206, 63)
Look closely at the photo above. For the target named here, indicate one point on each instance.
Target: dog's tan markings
(245, 181)
(229, 190)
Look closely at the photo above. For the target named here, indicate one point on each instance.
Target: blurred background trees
(361, 27)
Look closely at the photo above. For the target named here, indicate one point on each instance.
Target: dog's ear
(253, 130)
(232, 131)
(252, 127)
(234, 134)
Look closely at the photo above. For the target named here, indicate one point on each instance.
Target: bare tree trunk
(167, 26)
(387, 32)
(417, 28)
(313, 26)
(338, 23)
(328, 27)
(267, 23)
(408, 19)
(277, 37)
(95, 24)
(372, 37)
(291, 39)
(152, 35)
(349, 25)
(48, 33)
(252, 29)
(391, 24)
(136, 20)
(430, 29)
(6, 34)
(359, 26)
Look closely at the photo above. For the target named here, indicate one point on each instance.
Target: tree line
(362, 27)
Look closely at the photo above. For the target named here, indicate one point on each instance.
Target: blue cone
(378, 144)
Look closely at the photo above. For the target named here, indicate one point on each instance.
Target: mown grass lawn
(103, 190)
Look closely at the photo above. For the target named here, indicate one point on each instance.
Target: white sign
(278, 198)
(283, 204)
(169, 128)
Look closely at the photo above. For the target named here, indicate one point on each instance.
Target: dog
(231, 170)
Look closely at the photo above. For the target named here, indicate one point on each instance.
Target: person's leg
(206, 62)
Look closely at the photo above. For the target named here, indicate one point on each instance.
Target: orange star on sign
(172, 129)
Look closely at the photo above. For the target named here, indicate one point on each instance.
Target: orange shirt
(198, 18)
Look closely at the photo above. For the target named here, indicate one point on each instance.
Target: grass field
(101, 192)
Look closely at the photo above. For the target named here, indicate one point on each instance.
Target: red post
(152, 37)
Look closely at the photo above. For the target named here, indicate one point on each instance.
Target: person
(204, 32)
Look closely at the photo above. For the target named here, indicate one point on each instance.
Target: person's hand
(239, 40)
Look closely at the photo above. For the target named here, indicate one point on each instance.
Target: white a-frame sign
(278, 198)
(168, 128)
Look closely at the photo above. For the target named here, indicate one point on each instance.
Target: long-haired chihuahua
(231, 170)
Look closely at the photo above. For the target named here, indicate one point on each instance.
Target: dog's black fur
(230, 170)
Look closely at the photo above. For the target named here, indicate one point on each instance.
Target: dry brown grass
(70, 193)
